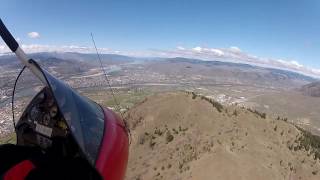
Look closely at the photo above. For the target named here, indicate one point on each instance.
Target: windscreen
(27, 87)
(84, 117)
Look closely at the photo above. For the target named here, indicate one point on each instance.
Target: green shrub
(311, 142)
(158, 132)
(235, 113)
(262, 115)
(169, 137)
(194, 96)
(214, 103)
(152, 144)
(141, 140)
(217, 105)
(283, 119)
(175, 131)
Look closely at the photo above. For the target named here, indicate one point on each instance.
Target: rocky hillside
(185, 136)
(312, 89)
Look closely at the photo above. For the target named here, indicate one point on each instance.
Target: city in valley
(279, 93)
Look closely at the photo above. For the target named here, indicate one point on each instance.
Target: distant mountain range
(217, 72)
(213, 71)
(279, 72)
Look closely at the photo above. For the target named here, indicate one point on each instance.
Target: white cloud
(205, 51)
(295, 63)
(316, 71)
(197, 49)
(180, 48)
(34, 48)
(33, 35)
(217, 52)
(235, 49)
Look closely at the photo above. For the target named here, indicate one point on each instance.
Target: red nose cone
(113, 156)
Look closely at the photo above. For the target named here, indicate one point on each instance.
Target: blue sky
(287, 29)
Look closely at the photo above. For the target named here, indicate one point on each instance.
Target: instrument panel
(41, 122)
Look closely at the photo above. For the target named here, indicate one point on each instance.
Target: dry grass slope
(182, 135)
